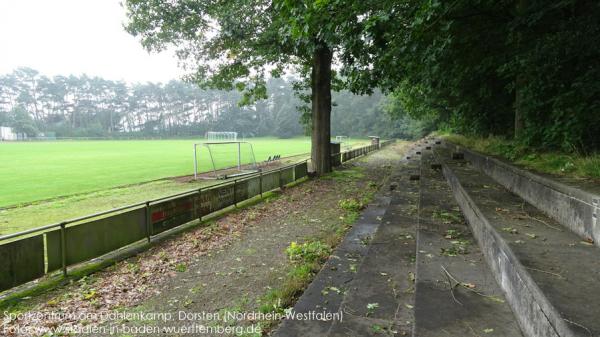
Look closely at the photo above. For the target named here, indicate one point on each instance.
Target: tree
(520, 68)
(236, 44)
(22, 122)
(81, 106)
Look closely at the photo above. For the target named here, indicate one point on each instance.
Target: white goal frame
(220, 136)
(344, 141)
(212, 160)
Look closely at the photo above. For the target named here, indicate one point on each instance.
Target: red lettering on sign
(157, 216)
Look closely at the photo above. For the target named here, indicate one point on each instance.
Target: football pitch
(33, 171)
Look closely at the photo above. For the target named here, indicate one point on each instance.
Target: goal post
(344, 141)
(224, 158)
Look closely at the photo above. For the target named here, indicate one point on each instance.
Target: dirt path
(229, 265)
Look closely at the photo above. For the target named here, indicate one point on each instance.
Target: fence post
(200, 204)
(148, 222)
(280, 185)
(63, 248)
(260, 184)
(235, 192)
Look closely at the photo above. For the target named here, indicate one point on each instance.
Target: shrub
(308, 252)
(351, 205)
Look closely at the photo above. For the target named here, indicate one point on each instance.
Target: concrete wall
(535, 314)
(574, 208)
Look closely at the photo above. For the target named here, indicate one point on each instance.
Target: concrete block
(570, 206)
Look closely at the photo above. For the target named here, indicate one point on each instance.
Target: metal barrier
(31, 254)
(342, 157)
(386, 143)
(28, 255)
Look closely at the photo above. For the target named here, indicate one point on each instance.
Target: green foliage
(470, 67)
(308, 252)
(474, 68)
(457, 247)
(371, 307)
(412, 119)
(80, 106)
(20, 120)
(577, 165)
(181, 267)
(447, 217)
(307, 259)
(351, 205)
(237, 44)
(176, 109)
(360, 115)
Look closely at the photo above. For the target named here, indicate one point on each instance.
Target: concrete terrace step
(456, 293)
(364, 269)
(379, 300)
(337, 272)
(550, 276)
(572, 202)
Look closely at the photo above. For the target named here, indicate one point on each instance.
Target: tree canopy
(83, 106)
(524, 68)
(237, 44)
(527, 69)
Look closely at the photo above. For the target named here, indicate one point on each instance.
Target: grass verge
(307, 258)
(565, 164)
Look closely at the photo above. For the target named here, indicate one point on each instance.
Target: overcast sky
(63, 37)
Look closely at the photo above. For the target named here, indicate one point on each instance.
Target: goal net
(214, 136)
(223, 159)
(344, 142)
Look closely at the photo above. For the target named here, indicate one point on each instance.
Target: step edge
(489, 239)
(380, 201)
(583, 220)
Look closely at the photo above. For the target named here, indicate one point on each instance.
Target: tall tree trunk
(519, 106)
(520, 81)
(321, 109)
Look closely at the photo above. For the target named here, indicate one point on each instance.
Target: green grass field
(32, 171)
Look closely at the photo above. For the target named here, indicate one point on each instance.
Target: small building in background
(7, 134)
(374, 140)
